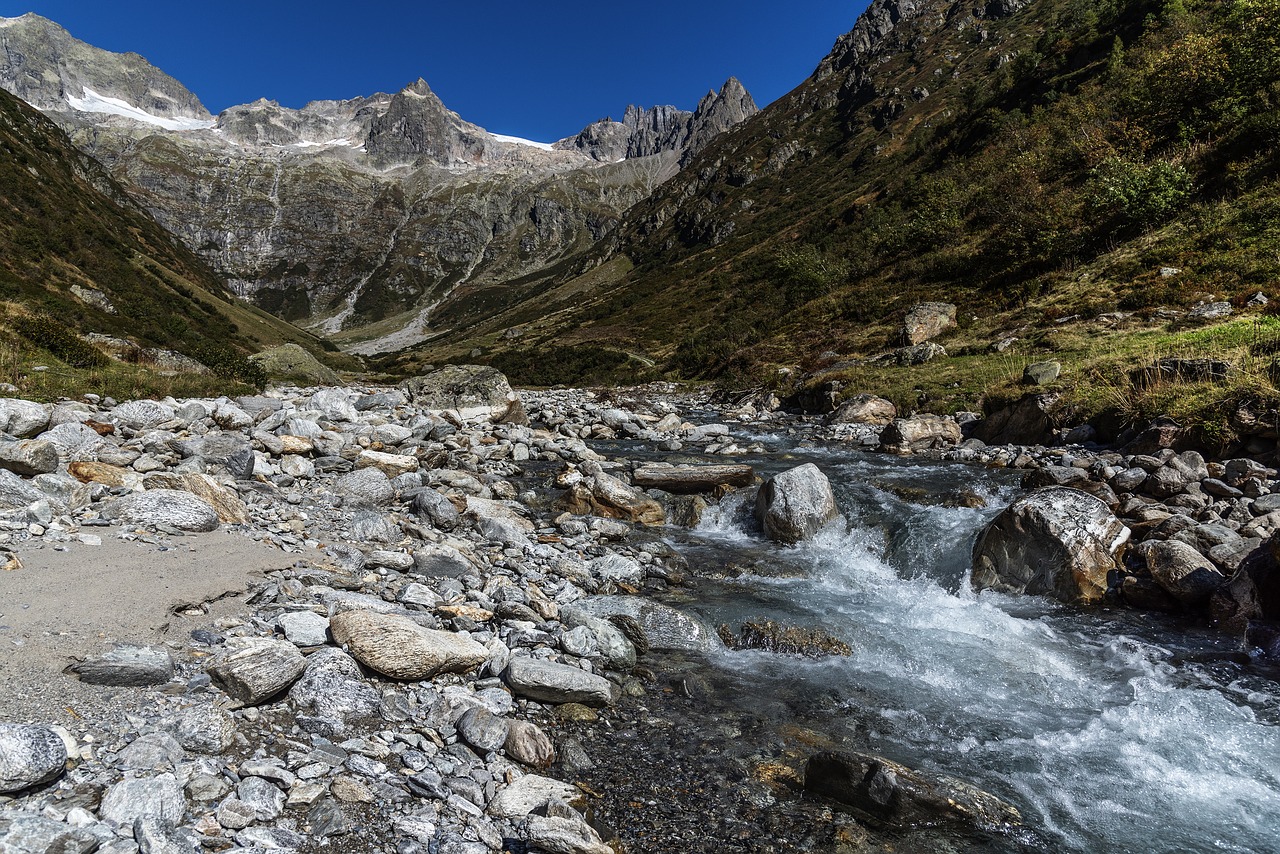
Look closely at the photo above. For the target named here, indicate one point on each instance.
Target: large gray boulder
(257, 670)
(333, 688)
(474, 392)
(920, 433)
(170, 507)
(1056, 541)
(128, 665)
(864, 409)
(664, 629)
(927, 320)
(23, 418)
(795, 504)
(1181, 571)
(397, 647)
(29, 457)
(550, 682)
(129, 800)
(29, 756)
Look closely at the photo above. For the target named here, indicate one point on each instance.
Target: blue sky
(538, 70)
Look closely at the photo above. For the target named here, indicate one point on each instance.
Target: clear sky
(540, 70)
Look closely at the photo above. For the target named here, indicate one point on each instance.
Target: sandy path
(64, 605)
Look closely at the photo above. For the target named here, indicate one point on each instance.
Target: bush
(1139, 195)
(43, 331)
(577, 365)
(230, 365)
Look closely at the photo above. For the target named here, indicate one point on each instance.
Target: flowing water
(1109, 731)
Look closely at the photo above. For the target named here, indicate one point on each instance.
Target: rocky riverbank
(456, 651)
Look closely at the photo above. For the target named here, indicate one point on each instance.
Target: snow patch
(306, 143)
(92, 102)
(515, 140)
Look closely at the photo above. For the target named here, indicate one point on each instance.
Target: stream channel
(1109, 730)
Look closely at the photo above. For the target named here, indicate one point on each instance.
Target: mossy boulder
(293, 363)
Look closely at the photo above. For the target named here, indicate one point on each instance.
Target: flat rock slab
(175, 508)
(688, 480)
(529, 793)
(549, 682)
(398, 647)
(128, 665)
(52, 610)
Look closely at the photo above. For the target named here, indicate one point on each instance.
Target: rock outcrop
(796, 504)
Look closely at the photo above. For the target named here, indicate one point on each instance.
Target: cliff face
(361, 218)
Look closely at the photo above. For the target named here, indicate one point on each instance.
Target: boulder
(257, 669)
(397, 647)
(169, 507)
(37, 835)
(527, 743)
(549, 682)
(562, 834)
(1029, 421)
(1056, 541)
(392, 465)
(919, 354)
(889, 795)
(129, 800)
(28, 457)
(482, 729)
(370, 485)
(1181, 571)
(127, 665)
(602, 494)
(430, 505)
(292, 363)
(771, 636)
(927, 320)
(864, 409)
(795, 504)
(29, 756)
(23, 418)
(107, 475)
(333, 688)
(692, 479)
(225, 502)
(920, 433)
(474, 392)
(142, 414)
(663, 628)
(229, 452)
(1210, 312)
(529, 793)
(1041, 373)
(1174, 369)
(203, 729)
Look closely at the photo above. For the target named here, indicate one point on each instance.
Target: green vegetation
(580, 365)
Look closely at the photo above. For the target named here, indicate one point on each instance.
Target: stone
(528, 744)
(108, 475)
(154, 835)
(23, 419)
(397, 647)
(1209, 312)
(304, 628)
(771, 636)
(1041, 373)
(919, 354)
(258, 670)
(864, 409)
(692, 479)
(602, 494)
(927, 320)
(440, 561)
(920, 433)
(333, 688)
(155, 751)
(127, 665)
(549, 682)
(562, 835)
(75, 441)
(264, 799)
(617, 568)
(225, 502)
(392, 465)
(1181, 571)
(618, 651)
(1029, 421)
(664, 629)
(203, 729)
(474, 392)
(1056, 541)
(890, 795)
(169, 507)
(482, 729)
(430, 505)
(29, 834)
(231, 453)
(29, 756)
(293, 363)
(128, 800)
(16, 493)
(796, 504)
(28, 457)
(1174, 369)
(370, 485)
(142, 414)
(529, 793)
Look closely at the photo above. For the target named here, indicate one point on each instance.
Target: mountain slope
(1028, 161)
(374, 220)
(75, 247)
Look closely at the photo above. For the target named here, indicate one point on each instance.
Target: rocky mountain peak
(417, 128)
(644, 132)
(50, 69)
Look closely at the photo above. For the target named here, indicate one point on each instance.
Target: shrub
(1139, 195)
(43, 331)
(230, 365)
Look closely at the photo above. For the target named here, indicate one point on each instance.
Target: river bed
(1110, 731)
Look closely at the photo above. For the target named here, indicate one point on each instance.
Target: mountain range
(1057, 169)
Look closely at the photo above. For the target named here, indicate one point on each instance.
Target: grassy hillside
(77, 256)
(1039, 170)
